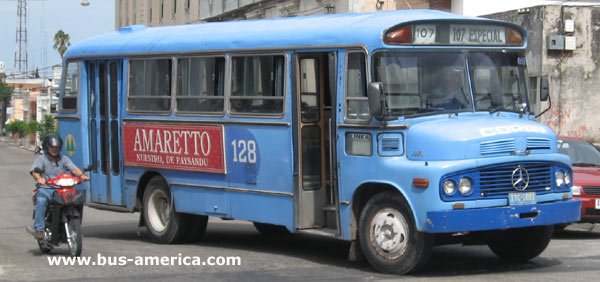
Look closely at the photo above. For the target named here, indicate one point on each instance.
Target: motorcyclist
(52, 164)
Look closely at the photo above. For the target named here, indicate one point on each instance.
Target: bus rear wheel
(164, 224)
(389, 238)
(521, 244)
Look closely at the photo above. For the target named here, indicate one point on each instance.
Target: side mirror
(376, 100)
(544, 94)
(544, 89)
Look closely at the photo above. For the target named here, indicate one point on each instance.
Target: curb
(9, 141)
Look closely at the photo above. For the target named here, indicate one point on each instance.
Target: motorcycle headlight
(66, 182)
(464, 186)
(449, 187)
(560, 178)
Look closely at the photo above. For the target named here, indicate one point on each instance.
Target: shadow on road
(451, 260)
(570, 234)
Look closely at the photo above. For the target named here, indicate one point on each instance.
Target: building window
(200, 85)
(149, 86)
(70, 88)
(257, 85)
(162, 9)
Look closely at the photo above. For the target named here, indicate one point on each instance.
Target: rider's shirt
(52, 169)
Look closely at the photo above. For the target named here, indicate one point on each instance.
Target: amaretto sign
(174, 146)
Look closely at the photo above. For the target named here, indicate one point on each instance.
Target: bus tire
(164, 224)
(389, 238)
(521, 244)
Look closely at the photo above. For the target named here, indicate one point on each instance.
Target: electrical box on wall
(569, 26)
(556, 42)
(570, 43)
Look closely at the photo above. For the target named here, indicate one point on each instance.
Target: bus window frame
(171, 88)
(63, 85)
(347, 98)
(229, 82)
(175, 90)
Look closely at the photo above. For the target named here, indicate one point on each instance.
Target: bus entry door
(316, 196)
(105, 81)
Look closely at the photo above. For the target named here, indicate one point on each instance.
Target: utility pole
(21, 38)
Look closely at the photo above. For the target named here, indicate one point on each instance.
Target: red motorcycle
(63, 216)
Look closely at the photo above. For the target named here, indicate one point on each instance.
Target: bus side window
(357, 103)
(149, 85)
(70, 88)
(200, 85)
(257, 85)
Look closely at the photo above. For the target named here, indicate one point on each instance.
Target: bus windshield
(419, 83)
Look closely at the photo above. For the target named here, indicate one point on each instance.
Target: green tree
(31, 129)
(5, 93)
(61, 42)
(17, 128)
(46, 127)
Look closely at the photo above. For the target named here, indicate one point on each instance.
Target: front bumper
(589, 212)
(463, 220)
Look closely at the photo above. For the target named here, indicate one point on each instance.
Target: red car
(585, 159)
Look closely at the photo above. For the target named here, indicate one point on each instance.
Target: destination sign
(477, 35)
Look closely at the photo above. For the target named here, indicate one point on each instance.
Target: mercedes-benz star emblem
(520, 178)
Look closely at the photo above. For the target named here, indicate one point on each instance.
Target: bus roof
(363, 29)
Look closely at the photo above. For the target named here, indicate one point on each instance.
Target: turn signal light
(514, 37)
(402, 35)
(421, 182)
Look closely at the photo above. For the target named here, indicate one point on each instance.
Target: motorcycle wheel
(76, 241)
(44, 247)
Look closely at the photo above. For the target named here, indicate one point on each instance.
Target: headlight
(449, 187)
(576, 190)
(66, 182)
(560, 178)
(567, 179)
(464, 186)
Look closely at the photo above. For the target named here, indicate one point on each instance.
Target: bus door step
(326, 232)
(329, 208)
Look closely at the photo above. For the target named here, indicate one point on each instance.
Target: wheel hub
(389, 233)
(159, 210)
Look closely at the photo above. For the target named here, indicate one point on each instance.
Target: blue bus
(391, 130)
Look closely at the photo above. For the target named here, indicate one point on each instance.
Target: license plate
(521, 199)
(598, 204)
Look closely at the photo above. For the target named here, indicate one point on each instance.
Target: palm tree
(61, 42)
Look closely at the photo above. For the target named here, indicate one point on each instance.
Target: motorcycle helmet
(52, 140)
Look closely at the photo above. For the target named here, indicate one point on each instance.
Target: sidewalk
(19, 143)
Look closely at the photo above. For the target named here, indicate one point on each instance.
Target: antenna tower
(21, 38)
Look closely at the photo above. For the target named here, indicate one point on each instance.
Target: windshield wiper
(586, 164)
(497, 109)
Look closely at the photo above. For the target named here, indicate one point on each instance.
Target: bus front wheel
(164, 224)
(389, 238)
(521, 244)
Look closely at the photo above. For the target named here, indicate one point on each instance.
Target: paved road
(572, 255)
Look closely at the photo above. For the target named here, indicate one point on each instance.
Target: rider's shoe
(36, 234)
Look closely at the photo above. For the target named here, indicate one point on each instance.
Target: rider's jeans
(43, 197)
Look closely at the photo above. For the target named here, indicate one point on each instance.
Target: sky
(44, 19)
(483, 7)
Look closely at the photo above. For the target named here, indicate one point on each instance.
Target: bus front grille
(497, 181)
